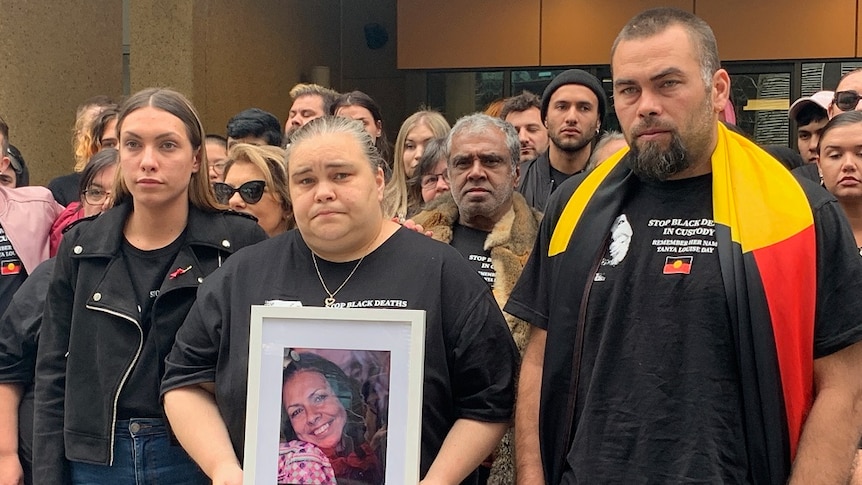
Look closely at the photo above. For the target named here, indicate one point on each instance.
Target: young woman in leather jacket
(122, 285)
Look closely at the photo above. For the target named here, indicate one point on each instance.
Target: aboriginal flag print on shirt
(10, 267)
(12, 272)
(677, 265)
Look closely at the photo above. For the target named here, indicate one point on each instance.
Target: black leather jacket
(91, 339)
(536, 185)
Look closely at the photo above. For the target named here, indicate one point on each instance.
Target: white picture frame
(277, 330)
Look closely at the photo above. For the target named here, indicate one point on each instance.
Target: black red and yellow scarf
(764, 223)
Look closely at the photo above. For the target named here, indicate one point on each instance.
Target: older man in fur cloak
(489, 223)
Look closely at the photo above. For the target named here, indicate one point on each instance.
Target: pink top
(303, 463)
(72, 213)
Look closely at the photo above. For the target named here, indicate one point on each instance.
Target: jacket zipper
(125, 375)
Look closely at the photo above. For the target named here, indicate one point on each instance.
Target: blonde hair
(84, 145)
(395, 197)
(199, 190)
(327, 95)
(270, 161)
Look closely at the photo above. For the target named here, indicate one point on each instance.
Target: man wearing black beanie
(573, 108)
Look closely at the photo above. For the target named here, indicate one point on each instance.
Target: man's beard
(288, 134)
(652, 162)
(571, 146)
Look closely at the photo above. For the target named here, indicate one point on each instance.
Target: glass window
(819, 76)
(456, 94)
(489, 88)
(761, 98)
(533, 81)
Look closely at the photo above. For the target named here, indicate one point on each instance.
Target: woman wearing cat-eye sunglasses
(255, 183)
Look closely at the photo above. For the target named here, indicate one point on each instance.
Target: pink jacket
(26, 214)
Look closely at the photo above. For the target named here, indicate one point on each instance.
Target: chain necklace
(328, 302)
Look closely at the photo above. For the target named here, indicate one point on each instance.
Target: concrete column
(227, 56)
(53, 56)
(162, 44)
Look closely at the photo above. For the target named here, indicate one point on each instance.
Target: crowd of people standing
(668, 304)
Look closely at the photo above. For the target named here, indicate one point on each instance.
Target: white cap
(820, 98)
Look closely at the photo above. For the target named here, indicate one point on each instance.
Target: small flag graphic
(10, 267)
(677, 265)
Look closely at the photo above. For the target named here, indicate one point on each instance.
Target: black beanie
(575, 76)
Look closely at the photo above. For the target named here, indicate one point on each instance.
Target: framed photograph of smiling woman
(334, 396)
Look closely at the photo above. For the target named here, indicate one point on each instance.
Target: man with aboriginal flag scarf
(696, 309)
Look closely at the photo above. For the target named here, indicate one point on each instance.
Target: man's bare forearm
(527, 454)
(830, 436)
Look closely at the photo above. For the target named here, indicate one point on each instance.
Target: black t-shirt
(12, 272)
(838, 306)
(470, 356)
(558, 177)
(471, 244)
(668, 393)
(139, 397)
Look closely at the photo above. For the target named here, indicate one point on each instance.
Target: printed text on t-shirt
(685, 228)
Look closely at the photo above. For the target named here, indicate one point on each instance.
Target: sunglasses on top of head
(846, 100)
(250, 192)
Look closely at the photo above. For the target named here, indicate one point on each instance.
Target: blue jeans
(143, 455)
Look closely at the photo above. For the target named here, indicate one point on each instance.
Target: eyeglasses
(218, 168)
(846, 100)
(251, 191)
(430, 180)
(95, 196)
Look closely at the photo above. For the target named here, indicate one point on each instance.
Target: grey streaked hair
(477, 123)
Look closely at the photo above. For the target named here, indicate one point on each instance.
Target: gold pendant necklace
(329, 301)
